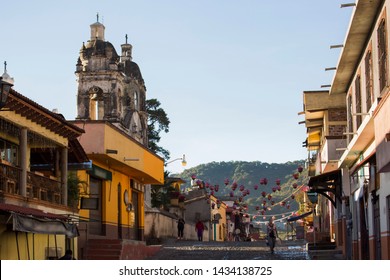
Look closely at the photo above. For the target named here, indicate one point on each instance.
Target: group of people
(272, 232)
(272, 235)
(199, 228)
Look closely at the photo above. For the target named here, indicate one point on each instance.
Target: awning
(46, 226)
(295, 218)
(325, 178)
(327, 182)
(36, 221)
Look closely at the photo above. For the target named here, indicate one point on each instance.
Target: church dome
(99, 48)
(131, 69)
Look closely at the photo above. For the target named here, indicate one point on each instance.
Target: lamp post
(183, 161)
(6, 82)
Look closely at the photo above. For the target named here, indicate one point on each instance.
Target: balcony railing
(9, 179)
(38, 186)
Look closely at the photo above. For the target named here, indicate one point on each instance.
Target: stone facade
(111, 87)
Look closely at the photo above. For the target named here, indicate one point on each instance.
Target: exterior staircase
(104, 249)
(117, 249)
(324, 251)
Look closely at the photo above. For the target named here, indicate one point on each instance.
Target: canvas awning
(45, 226)
(33, 220)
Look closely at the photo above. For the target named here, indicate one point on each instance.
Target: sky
(230, 74)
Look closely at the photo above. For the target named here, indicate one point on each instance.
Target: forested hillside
(262, 189)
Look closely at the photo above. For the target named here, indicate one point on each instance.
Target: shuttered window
(382, 55)
(358, 102)
(368, 76)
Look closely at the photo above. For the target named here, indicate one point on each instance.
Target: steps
(104, 249)
(324, 251)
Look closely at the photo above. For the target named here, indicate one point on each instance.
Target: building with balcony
(357, 186)
(38, 150)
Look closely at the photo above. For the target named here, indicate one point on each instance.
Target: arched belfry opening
(96, 103)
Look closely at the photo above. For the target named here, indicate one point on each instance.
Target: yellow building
(112, 205)
(111, 108)
(218, 219)
(37, 148)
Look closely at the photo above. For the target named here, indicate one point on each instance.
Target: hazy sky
(230, 74)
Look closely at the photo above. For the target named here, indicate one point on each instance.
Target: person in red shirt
(199, 228)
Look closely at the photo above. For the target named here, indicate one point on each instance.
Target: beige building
(351, 172)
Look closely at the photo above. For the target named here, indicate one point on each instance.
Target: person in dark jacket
(272, 234)
(180, 228)
(68, 255)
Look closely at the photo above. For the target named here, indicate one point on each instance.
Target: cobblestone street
(257, 250)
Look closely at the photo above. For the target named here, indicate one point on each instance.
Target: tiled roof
(30, 211)
(36, 113)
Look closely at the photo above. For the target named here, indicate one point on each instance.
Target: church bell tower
(111, 87)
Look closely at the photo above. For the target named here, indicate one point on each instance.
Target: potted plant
(174, 195)
(181, 199)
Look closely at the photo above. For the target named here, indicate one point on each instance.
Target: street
(256, 250)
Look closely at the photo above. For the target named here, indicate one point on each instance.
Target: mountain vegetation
(262, 189)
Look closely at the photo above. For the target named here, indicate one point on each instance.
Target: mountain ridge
(278, 196)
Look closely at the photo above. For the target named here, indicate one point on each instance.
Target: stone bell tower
(111, 87)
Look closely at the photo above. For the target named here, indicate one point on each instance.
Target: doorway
(95, 215)
(377, 226)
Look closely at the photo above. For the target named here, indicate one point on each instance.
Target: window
(368, 68)
(382, 55)
(358, 102)
(9, 152)
(136, 100)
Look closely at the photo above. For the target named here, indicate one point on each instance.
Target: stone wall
(161, 225)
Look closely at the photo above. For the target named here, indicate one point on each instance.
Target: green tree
(161, 194)
(158, 121)
(74, 187)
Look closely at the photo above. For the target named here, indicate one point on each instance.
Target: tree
(161, 194)
(158, 121)
(74, 186)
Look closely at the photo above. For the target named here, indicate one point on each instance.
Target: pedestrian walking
(231, 231)
(247, 223)
(199, 228)
(237, 233)
(272, 234)
(180, 228)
